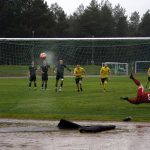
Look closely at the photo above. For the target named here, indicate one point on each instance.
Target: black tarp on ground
(64, 124)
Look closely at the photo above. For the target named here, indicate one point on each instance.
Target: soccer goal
(18, 53)
(142, 66)
(117, 68)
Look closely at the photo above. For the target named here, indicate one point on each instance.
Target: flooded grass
(44, 135)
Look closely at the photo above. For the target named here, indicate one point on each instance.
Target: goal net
(142, 66)
(16, 54)
(117, 68)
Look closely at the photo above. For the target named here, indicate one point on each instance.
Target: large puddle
(44, 135)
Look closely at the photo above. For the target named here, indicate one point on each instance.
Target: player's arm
(41, 70)
(67, 68)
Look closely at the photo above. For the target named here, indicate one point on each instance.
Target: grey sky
(69, 6)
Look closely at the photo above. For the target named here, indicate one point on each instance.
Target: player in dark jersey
(59, 70)
(32, 74)
(142, 97)
(44, 70)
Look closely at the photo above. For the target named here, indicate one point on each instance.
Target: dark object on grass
(96, 128)
(64, 124)
(127, 119)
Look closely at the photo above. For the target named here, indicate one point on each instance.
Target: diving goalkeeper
(142, 97)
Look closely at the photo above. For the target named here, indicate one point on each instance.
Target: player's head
(61, 61)
(78, 66)
(105, 65)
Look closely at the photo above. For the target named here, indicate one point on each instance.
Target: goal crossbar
(74, 39)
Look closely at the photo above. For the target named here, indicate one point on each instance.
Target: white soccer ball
(43, 55)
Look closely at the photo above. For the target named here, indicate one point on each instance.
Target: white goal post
(117, 68)
(141, 66)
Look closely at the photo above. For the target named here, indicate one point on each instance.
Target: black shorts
(44, 77)
(32, 78)
(59, 76)
(104, 79)
(148, 78)
(78, 80)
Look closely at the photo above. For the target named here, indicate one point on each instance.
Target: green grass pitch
(17, 101)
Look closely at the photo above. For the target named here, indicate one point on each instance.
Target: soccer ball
(43, 55)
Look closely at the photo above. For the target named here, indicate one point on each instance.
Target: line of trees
(34, 18)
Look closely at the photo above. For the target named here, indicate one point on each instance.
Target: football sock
(29, 84)
(45, 86)
(61, 84)
(56, 83)
(42, 85)
(131, 76)
(137, 82)
(34, 84)
(78, 87)
(81, 88)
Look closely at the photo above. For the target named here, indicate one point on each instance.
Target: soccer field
(17, 101)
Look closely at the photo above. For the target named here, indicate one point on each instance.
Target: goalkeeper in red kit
(142, 97)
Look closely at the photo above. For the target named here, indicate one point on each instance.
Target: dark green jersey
(45, 69)
(60, 68)
(32, 70)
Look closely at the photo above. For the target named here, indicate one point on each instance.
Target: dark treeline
(34, 18)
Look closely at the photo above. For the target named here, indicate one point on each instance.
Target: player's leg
(45, 84)
(30, 84)
(46, 79)
(77, 84)
(131, 100)
(56, 84)
(137, 82)
(135, 100)
(103, 84)
(61, 84)
(35, 85)
(30, 81)
(42, 82)
(80, 83)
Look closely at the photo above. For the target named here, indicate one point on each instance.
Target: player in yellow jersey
(78, 73)
(148, 73)
(104, 75)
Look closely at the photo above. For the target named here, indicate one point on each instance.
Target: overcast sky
(69, 6)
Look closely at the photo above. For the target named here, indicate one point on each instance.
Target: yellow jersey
(78, 72)
(104, 72)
